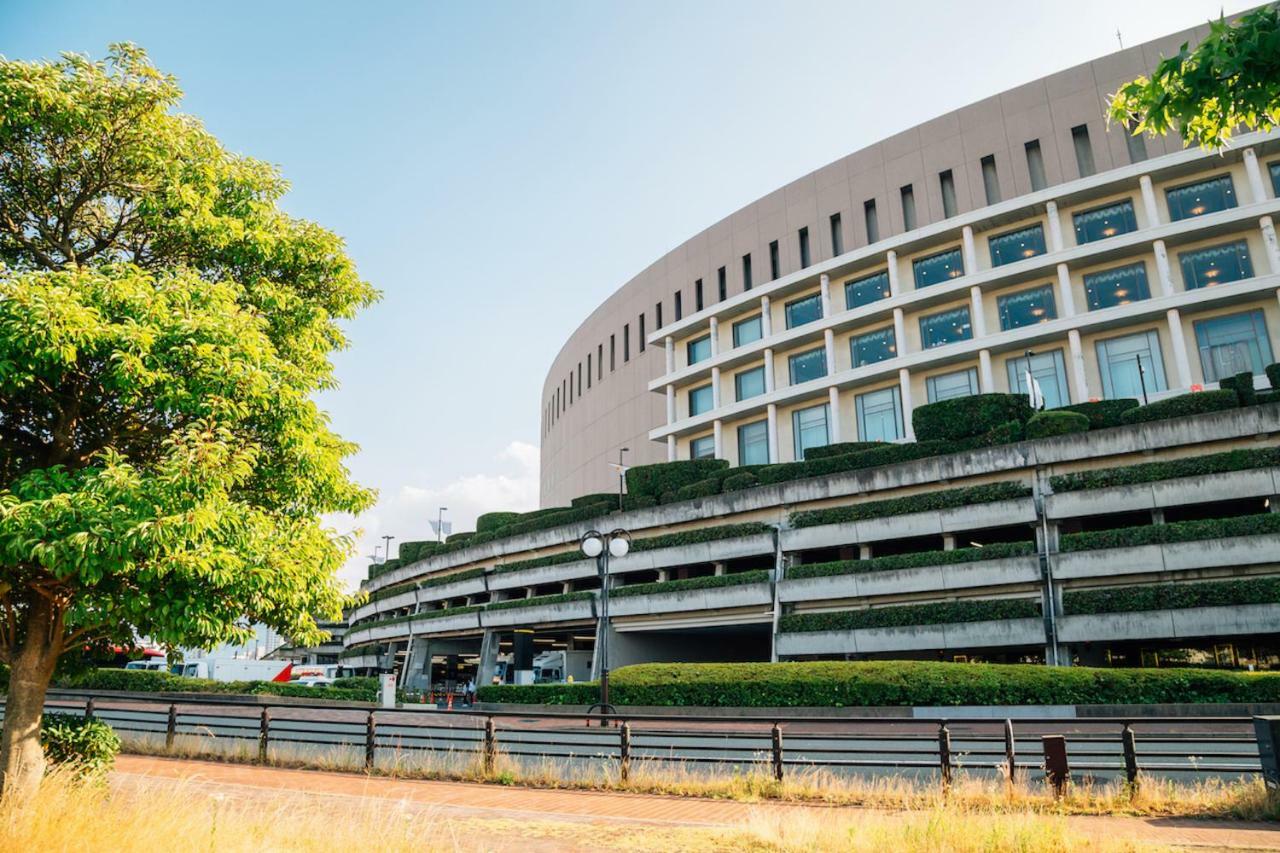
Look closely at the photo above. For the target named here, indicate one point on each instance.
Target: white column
(978, 317)
(766, 317)
(1162, 268)
(1177, 341)
(986, 378)
(829, 339)
(671, 448)
(824, 282)
(671, 404)
(715, 337)
(773, 432)
(768, 371)
(900, 330)
(833, 420)
(1055, 226)
(1079, 379)
(894, 288)
(1152, 212)
(718, 426)
(1066, 296)
(1269, 240)
(715, 387)
(671, 355)
(970, 251)
(904, 389)
(1251, 168)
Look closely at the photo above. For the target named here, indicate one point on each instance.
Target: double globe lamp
(600, 547)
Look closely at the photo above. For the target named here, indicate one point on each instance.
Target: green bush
(361, 650)
(740, 481)
(1007, 433)
(1273, 375)
(903, 615)
(1172, 596)
(840, 449)
(148, 681)
(1183, 404)
(1242, 385)
(379, 569)
(559, 598)
(460, 538)
(630, 502)
(894, 562)
(701, 489)
(1150, 472)
(968, 417)
(1178, 531)
(889, 454)
(1049, 424)
(490, 521)
(666, 477)
(702, 534)
(87, 746)
(573, 556)
(708, 582)
(1265, 397)
(1102, 413)
(413, 551)
(913, 503)
(433, 581)
(579, 693)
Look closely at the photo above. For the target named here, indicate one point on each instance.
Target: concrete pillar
(715, 337)
(833, 422)
(488, 665)
(773, 432)
(977, 317)
(671, 354)
(1269, 240)
(1177, 341)
(530, 592)
(904, 389)
(1079, 379)
(1150, 210)
(664, 575)
(1055, 226)
(986, 377)
(895, 287)
(1066, 296)
(948, 541)
(864, 552)
(768, 371)
(718, 426)
(671, 448)
(718, 568)
(715, 387)
(1257, 188)
(1157, 515)
(566, 587)
(970, 250)
(1162, 268)
(671, 404)
(824, 282)
(829, 342)
(900, 331)
(766, 317)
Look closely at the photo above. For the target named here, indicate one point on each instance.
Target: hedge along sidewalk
(994, 551)
(910, 615)
(1151, 472)
(1172, 596)
(924, 502)
(1177, 531)
(689, 584)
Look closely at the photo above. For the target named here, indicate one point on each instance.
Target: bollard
(1130, 744)
(88, 708)
(264, 734)
(1010, 752)
(777, 752)
(171, 728)
(944, 756)
(624, 752)
(370, 742)
(490, 745)
(1055, 762)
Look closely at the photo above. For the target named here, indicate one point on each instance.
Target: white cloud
(407, 512)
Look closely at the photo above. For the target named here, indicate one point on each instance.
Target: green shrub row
(1102, 413)
(897, 684)
(709, 582)
(841, 448)
(1273, 375)
(664, 478)
(968, 417)
(1056, 422)
(912, 503)
(360, 650)
(738, 482)
(905, 615)
(433, 581)
(411, 552)
(1150, 472)
(701, 489)
(894, 562)
(151, 681)
(573, 556)
(702, 534)
(424, 614)
(491, 521)
(1177, 531)
(1172, 596)
(1181, 405)
(1265, 397)
(558, 598)
(890, 454)
(1242, 386)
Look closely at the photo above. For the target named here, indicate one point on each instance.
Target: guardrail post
(171, 728)
(88, 708)
(490, 745)
(1010, 752)
(944, 755)
(1055, 762)
(264, 735)
(624, 752)
(1130, 743)
(370, 741)
(777, 752)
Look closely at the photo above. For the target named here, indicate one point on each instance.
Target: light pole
(602, 546)
(622, 475)
(386, 552)
(440, 523)
(1142, 378)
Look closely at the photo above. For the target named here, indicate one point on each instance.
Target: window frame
(815, 298)
(825, 409)
(939, 314)
(792, 360)
(860, 413)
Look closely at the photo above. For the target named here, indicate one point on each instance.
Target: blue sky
(498, 169)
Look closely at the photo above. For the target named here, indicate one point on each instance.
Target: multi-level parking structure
(1135, 544)
(926, 266)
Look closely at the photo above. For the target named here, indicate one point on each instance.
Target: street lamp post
(622, 476)
(440, 523)
(602, 546)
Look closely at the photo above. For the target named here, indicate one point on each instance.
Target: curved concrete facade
(604, 390)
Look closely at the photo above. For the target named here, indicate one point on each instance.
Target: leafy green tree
(1230, 80)
(164, 327)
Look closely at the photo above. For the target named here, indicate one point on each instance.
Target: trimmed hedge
(1049, 424)
(491, 521)
(968, 417)
(894, 562)
(740, 481)
(1172, 596)
(840, 449)
(437, 580)
(1265, 397)
(896, 684)
(630, 502)
(666, 477)
(559, 598)
(889, 454)
(704, 534)
(701, 489)
(907, 615)
(537, 562)
(1182, 405)
(411, 552)
(1150, 472)
(412, 617)
(593, 499)
(152, 681)
(360, 650)
(1273, 375)
(1178, 531)
(455, 539)
(1006, 433)
(1242, 385)
(1102, 413)
(709, 582)
(913, 503)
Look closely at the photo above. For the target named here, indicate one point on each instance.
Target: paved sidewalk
(469, 800)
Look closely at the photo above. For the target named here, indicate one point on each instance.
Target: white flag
(1034, 393)
(441, 529)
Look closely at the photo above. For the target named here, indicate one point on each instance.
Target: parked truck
(220, 669)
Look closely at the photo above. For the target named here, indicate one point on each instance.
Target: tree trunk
(33, 661)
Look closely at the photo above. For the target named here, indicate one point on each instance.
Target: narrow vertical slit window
(804, 248)
(990, 179)
(642, 335)
(872, 221)
(947, 182)
(599, 361)
(908, 207)
(722, 284)
(746, 274)
(1084, 150)
(679, 305)
(775, 265)
(657, 314)
(837, 236)
(613, 353)
(626, 342)
(1135, 142)
(1035, 165)
(588, 370)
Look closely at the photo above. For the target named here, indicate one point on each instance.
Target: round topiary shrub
(967, 417)
(1103, 413)
(701, 489)
(737, 482)
(1242, 385)
(1049, 424)
(491, 521)
(665, 478)
(85, 744)
(1184, 404)
(455, 538)
(840, 449)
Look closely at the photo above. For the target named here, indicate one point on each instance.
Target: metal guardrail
(940, 746)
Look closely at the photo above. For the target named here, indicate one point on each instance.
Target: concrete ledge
(1011, 570)
(932, 522)
(537, 614)
(715, 598)
(957, 635)
(1261, 482)
(434, 625)
(540, 575)
(700, 552)
(1173, 557)
(471, 586)
(1169, 624)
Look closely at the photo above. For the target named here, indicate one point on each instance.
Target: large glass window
(809, 426)
(703, 448)
(1215, 265)
(879, 415)
(1201, 197)
(808, 365)
(941, 267)
(699, 349)
(946, 386)
(1233, 344)
(1118, 286)
(1118, 362)
(749, 383)
(1106, 221)
(701, 400)
(1026, 308)
(747, 331)
(873, 346)
(945, 328)
(805, 310)
(753, 443)
(1049, 372)
(1016, 245)
(864, 291)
